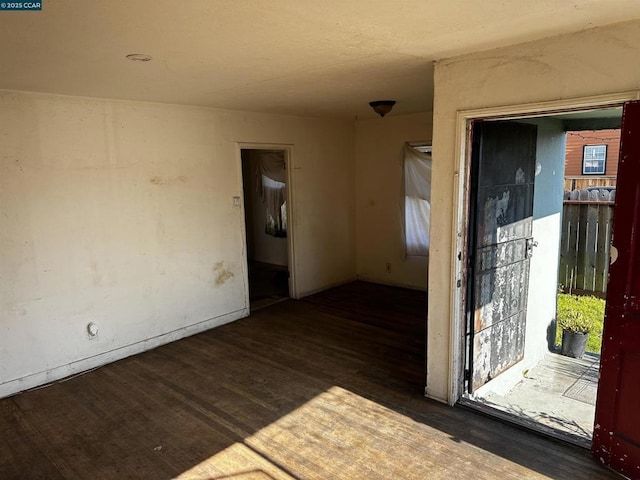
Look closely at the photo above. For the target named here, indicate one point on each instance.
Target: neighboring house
(591, 158)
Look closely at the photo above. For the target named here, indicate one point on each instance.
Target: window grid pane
(594, 159)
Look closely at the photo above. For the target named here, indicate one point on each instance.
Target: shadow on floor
(268, 284)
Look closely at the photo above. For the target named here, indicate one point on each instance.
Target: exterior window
(594, 159)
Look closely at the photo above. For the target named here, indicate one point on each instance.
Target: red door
(616, 438)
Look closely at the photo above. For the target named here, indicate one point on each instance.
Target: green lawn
(591, 308)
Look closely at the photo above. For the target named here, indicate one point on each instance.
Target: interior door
(501, 203)
(616, 437)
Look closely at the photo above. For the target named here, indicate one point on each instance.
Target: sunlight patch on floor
(237, 462)
(339, 434)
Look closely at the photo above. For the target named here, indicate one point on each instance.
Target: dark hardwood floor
(326, 388)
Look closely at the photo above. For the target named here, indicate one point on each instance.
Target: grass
(590, 309)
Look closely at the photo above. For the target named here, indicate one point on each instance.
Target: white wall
(261, 247)
(547, 227)
(595, 62)
(121, 213)
(379, 155)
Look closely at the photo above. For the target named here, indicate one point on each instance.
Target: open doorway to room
(531, 243)
(266, 211)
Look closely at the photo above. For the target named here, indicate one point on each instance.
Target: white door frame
(291, 258)
(460, 232)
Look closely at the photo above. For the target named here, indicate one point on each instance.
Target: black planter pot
(574, 344)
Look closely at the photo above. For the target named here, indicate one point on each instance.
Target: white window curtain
(274, 199)
(272, 188)
(417, 200)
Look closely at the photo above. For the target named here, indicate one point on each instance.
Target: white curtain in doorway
(417, 200)
(272, 187)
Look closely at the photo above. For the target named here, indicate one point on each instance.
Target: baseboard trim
(326, 287)
(49, 376)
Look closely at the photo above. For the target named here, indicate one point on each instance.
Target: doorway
(616, 437)
(267, 212)
(512, 358)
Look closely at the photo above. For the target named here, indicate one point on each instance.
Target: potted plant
(575, 327)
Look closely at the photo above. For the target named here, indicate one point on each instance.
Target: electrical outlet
(388, 267)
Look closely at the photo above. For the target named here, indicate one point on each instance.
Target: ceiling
(298, 57)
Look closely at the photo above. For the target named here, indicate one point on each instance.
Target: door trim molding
(291, 234)
(459, 232)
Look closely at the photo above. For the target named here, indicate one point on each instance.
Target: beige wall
(596, 62)
(121, 213)
(379, 155)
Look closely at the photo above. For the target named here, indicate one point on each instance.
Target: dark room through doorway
(264, 178)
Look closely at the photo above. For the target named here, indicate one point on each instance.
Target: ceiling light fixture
(382, 107)
(139, 57)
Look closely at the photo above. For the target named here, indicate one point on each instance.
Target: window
(594, 159)
(417, 199)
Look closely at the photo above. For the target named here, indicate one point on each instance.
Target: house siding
(575, 147)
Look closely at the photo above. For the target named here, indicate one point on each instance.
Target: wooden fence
(587, 219)
(584, 181)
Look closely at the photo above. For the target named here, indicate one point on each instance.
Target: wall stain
(221, 274)
(97, 277)
(158, 180)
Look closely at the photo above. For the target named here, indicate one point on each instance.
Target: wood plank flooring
(324, 388)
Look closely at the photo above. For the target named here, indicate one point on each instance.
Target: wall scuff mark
(157, 180)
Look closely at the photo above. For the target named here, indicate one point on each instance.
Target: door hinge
(467, 375)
